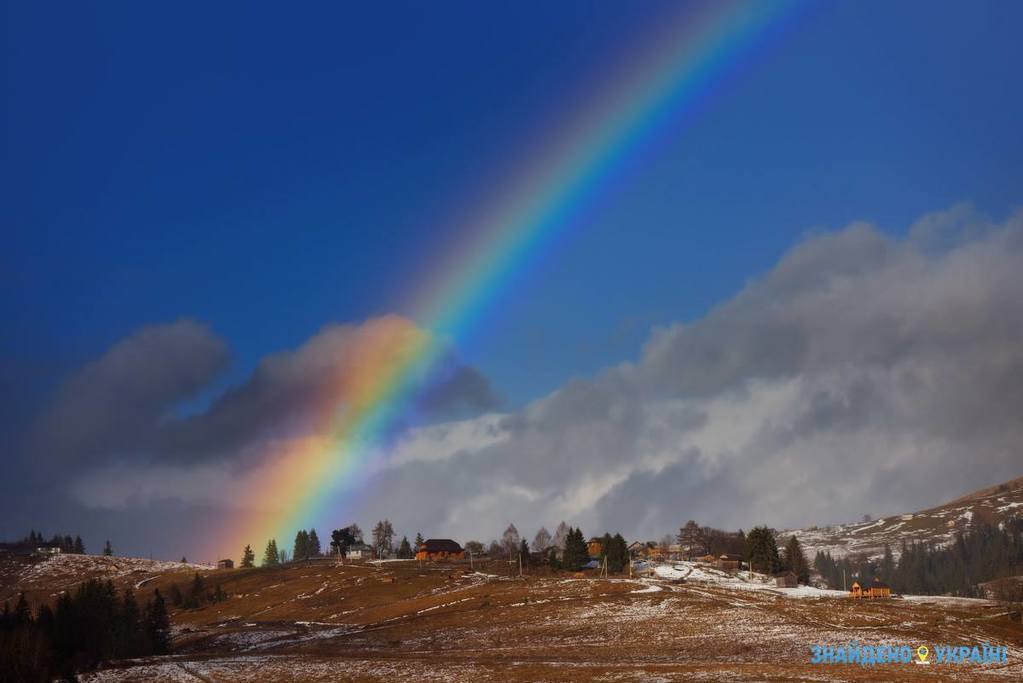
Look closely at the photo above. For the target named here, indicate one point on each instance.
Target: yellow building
(876, 589)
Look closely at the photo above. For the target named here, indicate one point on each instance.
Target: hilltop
(937, 525)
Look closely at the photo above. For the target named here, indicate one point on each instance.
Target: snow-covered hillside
(937, 525)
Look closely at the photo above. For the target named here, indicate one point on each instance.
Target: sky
(810, 269)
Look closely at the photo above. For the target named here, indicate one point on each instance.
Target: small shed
(728, 562)
(225, 564)
(786, 580)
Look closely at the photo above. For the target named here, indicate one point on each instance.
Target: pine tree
(129, 625)
(196, 592)
(107, 550)
(762, 550)
(270, 556)
(300, 550)
(617, 554)
(795, 560)
(158, 625)
(248, 557)
(314, 544)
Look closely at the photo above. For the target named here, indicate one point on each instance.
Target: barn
(433, 549)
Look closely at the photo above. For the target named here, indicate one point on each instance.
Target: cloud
(862, 373)
(113, 404)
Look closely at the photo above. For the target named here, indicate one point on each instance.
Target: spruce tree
(762, 550)
(301, 547)
(248, 557)
(617, 554)
(270, 556)
(107, 550)
(158, 625)
(405, 550)
(795, 560)
(314, 544)
(79, 547)
(419, 542)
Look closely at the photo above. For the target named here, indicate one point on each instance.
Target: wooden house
(595, 547)
(875, 589)
(637, 550)
(225, 564)
(360, 551)
(433, 549)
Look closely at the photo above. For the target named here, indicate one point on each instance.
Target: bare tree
(510, 541)
(560, 534)
(690, 537)
(542, 540)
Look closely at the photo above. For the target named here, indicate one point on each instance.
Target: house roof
(440, 545)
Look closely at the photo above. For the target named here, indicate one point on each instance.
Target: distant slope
(936, 525)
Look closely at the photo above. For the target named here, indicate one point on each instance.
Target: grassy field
(319, 621)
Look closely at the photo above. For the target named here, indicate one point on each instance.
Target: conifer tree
(314, 544)
(270, 556)
(79, 547)
(795, 560)
(524, 553)
(762, 550)
(248, 557)
(617, 554)
(158, 625)
(300, 551)
(405, 550)
(419, 542)
(107, 549)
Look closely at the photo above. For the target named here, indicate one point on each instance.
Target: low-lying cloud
(864, 373)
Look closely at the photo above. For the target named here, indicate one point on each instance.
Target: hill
(438, 622)
(937, 525)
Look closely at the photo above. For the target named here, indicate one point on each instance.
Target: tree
(474, 547)
(542, 540)
(510, 541)
(248, 557)
(341, 540)
(271, 558)
(300, 549)
(383, 537)
(560, 535)
(107, 550)
(405, 550)
(282, 556)
(356, 533)
(523, 553)
(184, 560)
(79, 547)
(158, 625)
(494, 550)
(419, 542)
(888, 565)
(795, 560)
(690, 538)
(762, 550)
(314, 544)
(617, 554)
(575, 554)
(176, 598)
(196, 592)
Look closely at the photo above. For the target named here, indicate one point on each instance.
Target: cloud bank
(863, 373)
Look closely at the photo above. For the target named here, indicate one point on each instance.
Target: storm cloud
(864, 372)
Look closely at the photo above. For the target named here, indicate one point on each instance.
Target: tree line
(94, 624)
(982, 554)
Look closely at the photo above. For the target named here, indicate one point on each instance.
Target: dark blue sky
(269, 172)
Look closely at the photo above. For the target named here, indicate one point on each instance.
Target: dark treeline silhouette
(66, 543)
(196, 594)
(982, 554)
(94, 624)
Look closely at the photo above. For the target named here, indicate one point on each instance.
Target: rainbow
(673, 70)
